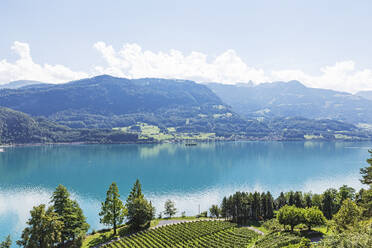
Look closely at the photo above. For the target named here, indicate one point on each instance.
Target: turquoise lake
(191, 176)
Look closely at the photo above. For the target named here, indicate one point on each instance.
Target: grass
(323, 229)
(146, 131)
(258, 225)
(103, 236)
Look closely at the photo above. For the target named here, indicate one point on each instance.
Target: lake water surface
(191, 176)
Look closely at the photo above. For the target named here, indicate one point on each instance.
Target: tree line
(242, 207)
(63, 224)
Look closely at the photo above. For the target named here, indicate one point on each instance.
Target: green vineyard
(192, 234)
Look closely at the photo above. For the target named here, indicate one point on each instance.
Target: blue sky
(311, 41)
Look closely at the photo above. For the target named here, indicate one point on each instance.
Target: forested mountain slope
(292, 99)
(107, 102)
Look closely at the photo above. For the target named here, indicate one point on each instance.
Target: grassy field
(146, 131)
(103, 236)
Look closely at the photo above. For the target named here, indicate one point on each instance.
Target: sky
(322, 43)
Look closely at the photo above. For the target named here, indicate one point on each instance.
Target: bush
(272, 225)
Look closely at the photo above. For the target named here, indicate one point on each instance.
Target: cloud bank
(132, 61)
(26, 69)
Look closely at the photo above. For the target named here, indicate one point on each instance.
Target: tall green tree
(291, 216)
(74, 221)
(113, 211)
(291, 199)
(224, 208)
(329, 206)
(316, 200)
(169, 208)
(345, 192)
(6, 243)
(313, 217)
(348, 215)
(140, 211)
(367, 172)
(269, 205)
(365, 195)
(281, 200)
(298, 199)
(44, 229)
(214, 211)
(308, 201)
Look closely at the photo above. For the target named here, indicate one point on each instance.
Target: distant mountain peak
(20, 83)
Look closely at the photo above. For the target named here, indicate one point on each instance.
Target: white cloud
(26, 68)
(132, 61)
(342, 76)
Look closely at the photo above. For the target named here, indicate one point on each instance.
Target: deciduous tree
(169, 208)
(290, 215)
(215, 211)
(313, 217)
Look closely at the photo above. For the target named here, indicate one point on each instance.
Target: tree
(255, 205)
(365, 196)
(215, 211)
(70, 213)
(291, 200)
(345, 192)
(269, 205)
(298, 199)
(308, 201)
(140, 211)
(316, 201)
(290, 215)
(367, 172)
(112, 210)
(313, 217)
(281, 201)
(224, 208)
(6, 243)
(44, 229)
(170, 208)
(329, 203)
(348, 215)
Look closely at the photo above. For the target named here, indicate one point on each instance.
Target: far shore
(180, 142)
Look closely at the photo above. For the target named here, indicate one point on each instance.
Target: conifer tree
(281, 200)
(140, 211)
(269, 205)
(367, 172)
(113, 211)
(44, 229)
(6, 243)
(71, 215)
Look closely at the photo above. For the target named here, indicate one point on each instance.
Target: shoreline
(181, 142)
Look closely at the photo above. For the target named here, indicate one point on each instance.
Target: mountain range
(293, 99)
(90, 109)
(20, 83)
(366, 94)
